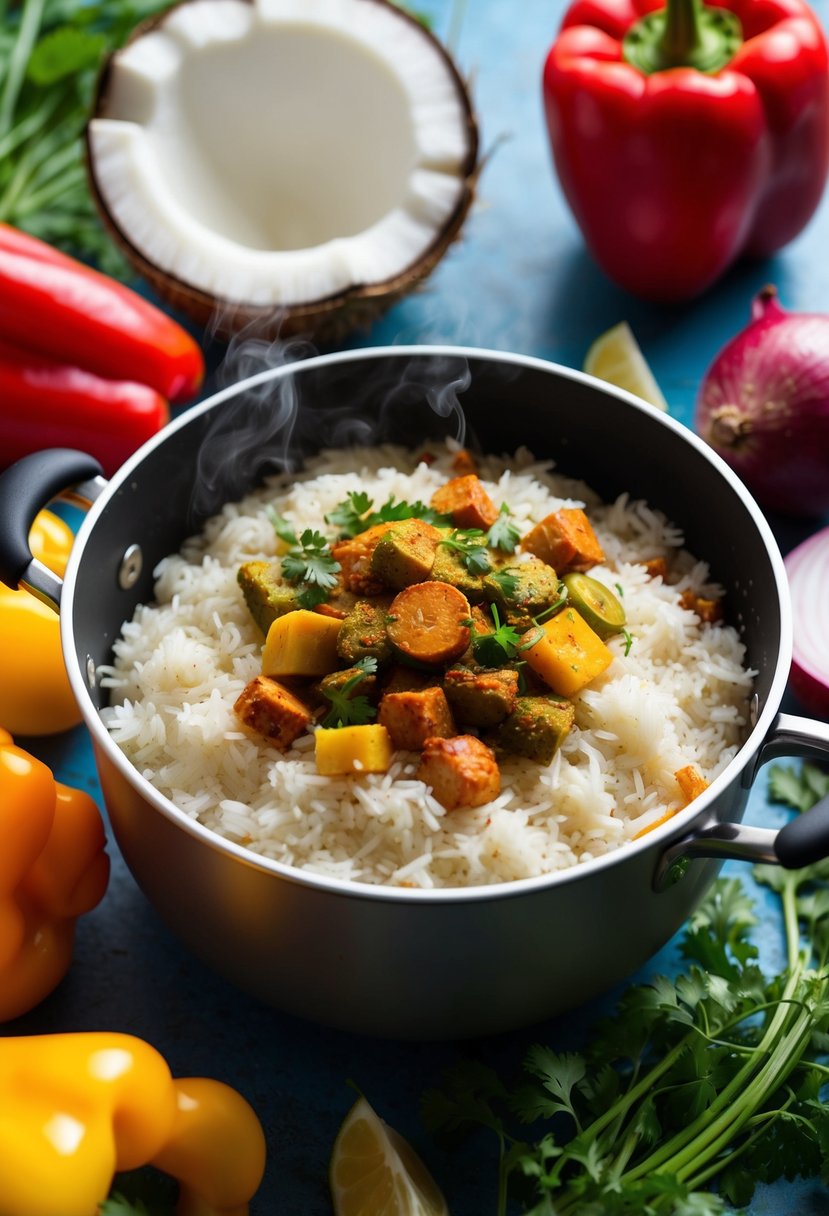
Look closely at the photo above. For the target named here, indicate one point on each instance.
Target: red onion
(808, 569)
(764, 406)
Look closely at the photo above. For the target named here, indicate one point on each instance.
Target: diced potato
(565, 540)
(301, 643)
(405, 554)
(466, 500)
(691, 781)
(461, 771)
(270, 709)
(353, 749)
(569, 654)
(413, 717)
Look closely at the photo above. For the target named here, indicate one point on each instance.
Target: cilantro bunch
(347, 709)
(696, 1089)
(50, 53)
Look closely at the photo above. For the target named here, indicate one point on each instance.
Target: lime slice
(615, 356)
(375, 1172)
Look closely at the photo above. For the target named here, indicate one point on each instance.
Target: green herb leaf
(469, 544)
(62, 53)
(799, 787)
(355, 515)
(504, 534)
(309, 562)
(347, 710)
(507, 582)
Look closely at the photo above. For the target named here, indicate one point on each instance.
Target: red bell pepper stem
(44, 403)
(57, 306)
(686, 33)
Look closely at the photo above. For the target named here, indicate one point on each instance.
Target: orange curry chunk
(707, 610)
(354, 555)
(461, 771)
(463, 463)
(565, 540)
(412, 717)
(267, 707)
(466, 500)
(691, 782)
(657, 567)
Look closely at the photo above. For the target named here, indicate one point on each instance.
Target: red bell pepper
(44, 403)
(55, 305)
(687, 137)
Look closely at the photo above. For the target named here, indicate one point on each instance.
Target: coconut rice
(678, 697)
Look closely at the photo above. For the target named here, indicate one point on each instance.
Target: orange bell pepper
(53, 869)
(77, 1108)
(35, 695)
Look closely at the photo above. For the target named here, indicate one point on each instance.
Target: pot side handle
(802, 842)
(25, 488)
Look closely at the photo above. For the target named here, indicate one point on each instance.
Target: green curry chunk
(363, 633)
(405, 554)
(536, 728)
(481, 698)
(267, 596)
(522, 591)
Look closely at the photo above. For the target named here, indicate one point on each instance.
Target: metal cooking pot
(399, 962)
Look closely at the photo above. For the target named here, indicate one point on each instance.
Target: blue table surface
(518, 280)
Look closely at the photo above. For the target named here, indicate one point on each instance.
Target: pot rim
(673, 830)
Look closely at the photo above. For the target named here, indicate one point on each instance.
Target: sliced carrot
(426, 623)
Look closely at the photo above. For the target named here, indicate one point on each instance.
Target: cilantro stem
(16, 72)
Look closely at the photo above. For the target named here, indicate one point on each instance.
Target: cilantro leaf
(799, 787)
(355, 515)
(310, 565)
(504, 534)
(506, 582)
(347, 710)
(469, 544)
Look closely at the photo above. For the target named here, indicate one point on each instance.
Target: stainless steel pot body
(404, 963)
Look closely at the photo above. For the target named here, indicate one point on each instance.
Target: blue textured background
(518, 280)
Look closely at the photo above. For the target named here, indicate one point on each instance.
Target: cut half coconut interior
(304, 160)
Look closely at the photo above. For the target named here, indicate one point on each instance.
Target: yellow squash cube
(301, 643)
(569, 654)
(353, 749)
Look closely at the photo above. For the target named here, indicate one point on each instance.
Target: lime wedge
(375, 1172)
(615, 357)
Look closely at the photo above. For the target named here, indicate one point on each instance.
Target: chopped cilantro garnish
(347, 710)
(504, 534)
(470, 545)
(308, 562)
(628, 641)
(355, 514)
(507, 582)
(502, 644)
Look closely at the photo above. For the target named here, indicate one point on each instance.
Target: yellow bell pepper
(77, 1108)
(53, 869)
(35, 695)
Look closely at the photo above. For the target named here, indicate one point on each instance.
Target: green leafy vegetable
(713, 1080)
(355, 514)
(50, 54)
(308, 562)
(470, 545)
(507, 582)
(504, 534)
(502, 645)
(347, 710)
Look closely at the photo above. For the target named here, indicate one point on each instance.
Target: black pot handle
(802, 842)
(25, 488)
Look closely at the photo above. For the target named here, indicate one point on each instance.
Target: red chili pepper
(44, 403)
(686, 137)
(53, 304)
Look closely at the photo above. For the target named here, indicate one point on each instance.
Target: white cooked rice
(679, 697)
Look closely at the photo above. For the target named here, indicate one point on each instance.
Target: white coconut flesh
(281, 151)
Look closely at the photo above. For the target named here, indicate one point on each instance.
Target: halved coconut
(296, 163)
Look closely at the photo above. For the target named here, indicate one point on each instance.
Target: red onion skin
(764, 406)
(807, 568)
